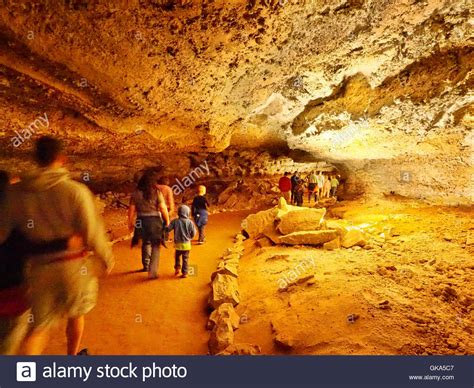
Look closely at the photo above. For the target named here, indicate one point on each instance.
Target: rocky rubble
(402, 287)
(291, 225)
(223, 299)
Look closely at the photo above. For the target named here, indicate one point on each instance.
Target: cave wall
(380, 88)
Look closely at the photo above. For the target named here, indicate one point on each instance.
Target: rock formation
(380, 89)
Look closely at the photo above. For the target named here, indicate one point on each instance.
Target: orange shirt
(168, 196)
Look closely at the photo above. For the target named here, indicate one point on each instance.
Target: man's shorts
(62, 289)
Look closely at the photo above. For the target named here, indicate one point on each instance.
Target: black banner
(258, 371)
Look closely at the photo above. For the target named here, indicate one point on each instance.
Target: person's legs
(177, 262)
(185, 255)
(201, 233)
(146, 254)
(154, 262)
(74, 332)
(36, 342)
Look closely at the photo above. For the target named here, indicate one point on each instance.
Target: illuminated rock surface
(379, 88)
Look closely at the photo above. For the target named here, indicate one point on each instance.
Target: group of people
(317, 186)
(49, 228)
(150, 210)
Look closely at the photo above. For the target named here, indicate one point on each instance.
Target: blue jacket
(183, 227)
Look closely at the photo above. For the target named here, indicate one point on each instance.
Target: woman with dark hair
(148, 217)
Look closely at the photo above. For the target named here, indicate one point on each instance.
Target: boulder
(282, 204)
(224, 311)
(309, 238)
(335, 225)
(338, 212)
(239, 237)
(228, 267)
(225, 289)
(263, 242)
(271, 233)
(232, 201)
(241, 350)
(333, 244)
(233, 257)
(256, 223)
(354, 237)
(227, 193)
(222, 336)
(301, 220)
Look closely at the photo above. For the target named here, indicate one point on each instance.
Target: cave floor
(137, 316)
(412, 295)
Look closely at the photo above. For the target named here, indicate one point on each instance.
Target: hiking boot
(83, 352)
(184, 276)
(176, 272)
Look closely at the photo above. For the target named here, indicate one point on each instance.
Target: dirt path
(165, 316)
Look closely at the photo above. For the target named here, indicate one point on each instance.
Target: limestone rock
(309, 238)
(263, 242)
(227, 267)
(233, 257)
(271, 232)
(100, 204)
(224, 311)
(282, 204)
(301, 220)
(338, 212)
(333, 244)
(470, 238)
(354, 237)
(225, 289)
(222, 336)
(255, 224)
(227, 193)
(336, 225)
(241, 350)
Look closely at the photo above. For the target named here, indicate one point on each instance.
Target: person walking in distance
(326, 186)
(148, 218)
(334, 185)
(200, 213)
(312, 180)
(45, 206)
(320, 185)
(294, 184)
(284, 185)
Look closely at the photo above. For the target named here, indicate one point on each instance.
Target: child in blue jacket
(184, 232)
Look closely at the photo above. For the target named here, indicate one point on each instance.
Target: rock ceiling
(342, 79)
